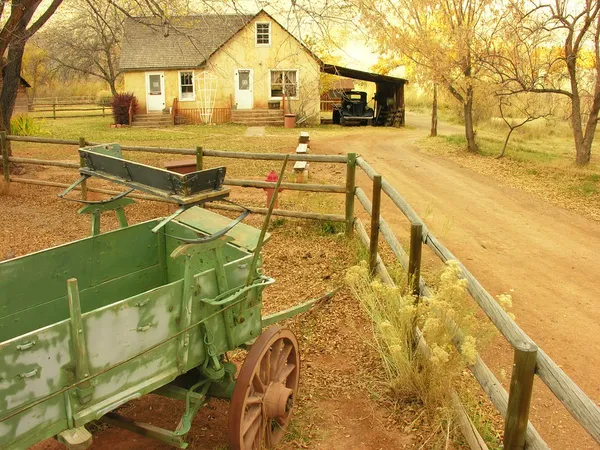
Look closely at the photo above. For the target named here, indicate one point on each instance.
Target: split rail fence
(529, 359)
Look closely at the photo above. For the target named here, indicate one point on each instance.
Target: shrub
(120, 107)
(24, 125)
(104, 98)
(427, 377)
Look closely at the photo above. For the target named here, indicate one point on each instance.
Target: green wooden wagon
(90, 325)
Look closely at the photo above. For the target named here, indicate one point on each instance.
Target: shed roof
(361, 75)
(185, 42)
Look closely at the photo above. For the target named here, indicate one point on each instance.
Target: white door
(155, 91)
(244, 82)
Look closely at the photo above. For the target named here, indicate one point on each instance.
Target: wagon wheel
(264, 393)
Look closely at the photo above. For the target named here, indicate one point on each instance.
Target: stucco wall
(241, 52)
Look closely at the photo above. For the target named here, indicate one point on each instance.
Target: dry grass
(425, 381)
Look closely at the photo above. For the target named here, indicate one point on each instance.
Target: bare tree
(88, 42)
(525, 110)
(527, 59)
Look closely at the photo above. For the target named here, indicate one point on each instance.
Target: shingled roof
(186, 42)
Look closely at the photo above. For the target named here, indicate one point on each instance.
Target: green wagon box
(90, 325)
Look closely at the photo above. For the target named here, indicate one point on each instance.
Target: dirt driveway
(546, 257)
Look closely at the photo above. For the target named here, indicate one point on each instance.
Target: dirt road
(546, 257)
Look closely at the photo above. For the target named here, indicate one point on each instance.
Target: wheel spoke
(254, 400)
(250, 417)
(266, 364)
(275, 352)
(287, 370)
(258, 384)
(250, 436)
(285, 354)
(268, 437)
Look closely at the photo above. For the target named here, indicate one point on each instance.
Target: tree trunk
(434, 112)
(11, 78)
(113, 86)
(469, 132)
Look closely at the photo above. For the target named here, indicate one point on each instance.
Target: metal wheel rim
(273, 357)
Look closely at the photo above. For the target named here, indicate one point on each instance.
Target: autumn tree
(448, 39)
(553, 48)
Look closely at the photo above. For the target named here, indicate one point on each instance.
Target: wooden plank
(350, 188)
(209, 222)
(282, 213)
(519, 400)
(300, 165)
(364, 237)
(414, 260)
(302, 148)
(44, 162)
(376, 206)
(335, 188)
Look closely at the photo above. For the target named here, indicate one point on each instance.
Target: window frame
(256, 43)
(297, 96)
(179, 85)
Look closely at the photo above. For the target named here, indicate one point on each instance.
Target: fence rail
(513, 405)
(199, 153)
(75, 100)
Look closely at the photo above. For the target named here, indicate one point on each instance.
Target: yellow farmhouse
(240, 68)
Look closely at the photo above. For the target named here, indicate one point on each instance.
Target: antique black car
(353, 109)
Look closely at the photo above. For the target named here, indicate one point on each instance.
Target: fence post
(4, 145)
(103, 111)
(350, 186)
(199, 158)
(375, 212)
(519, 397)
(81, 164)
(414, 259)
(54, 110)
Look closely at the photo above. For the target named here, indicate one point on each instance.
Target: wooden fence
(74, 100)
(56, 108)
(529, 360)
(327, 105)
(192, 115)
(199, 153)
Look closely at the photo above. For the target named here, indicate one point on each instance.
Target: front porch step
(152, 120)
(257, 117)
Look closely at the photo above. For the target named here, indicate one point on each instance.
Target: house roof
(186, 42)
(361, 75)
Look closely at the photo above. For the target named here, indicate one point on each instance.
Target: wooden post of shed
(375, 213)
(414, 259)
(4, 148)
(350, 187)
(81, 164)
(519, 398)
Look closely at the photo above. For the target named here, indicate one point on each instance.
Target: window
(284, 81)
(186, 86)
(263, 34)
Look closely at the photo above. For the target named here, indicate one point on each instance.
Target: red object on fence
(272, 178)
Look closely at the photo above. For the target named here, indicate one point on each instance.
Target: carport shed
(389, 93)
